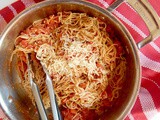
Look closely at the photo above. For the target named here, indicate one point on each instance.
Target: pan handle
(148, 14)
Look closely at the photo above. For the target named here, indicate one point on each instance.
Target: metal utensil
(54, 105)
(38, 98)
(50, 7)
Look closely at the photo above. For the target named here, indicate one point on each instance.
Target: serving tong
(38, 99)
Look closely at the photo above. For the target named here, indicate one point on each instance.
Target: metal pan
(13, 99)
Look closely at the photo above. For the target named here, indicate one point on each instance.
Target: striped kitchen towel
(147, 106)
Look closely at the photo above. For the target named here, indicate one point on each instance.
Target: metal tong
(38, 99)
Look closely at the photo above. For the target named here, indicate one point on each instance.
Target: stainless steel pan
(13, 99)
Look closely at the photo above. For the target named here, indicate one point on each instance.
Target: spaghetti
(86, 65)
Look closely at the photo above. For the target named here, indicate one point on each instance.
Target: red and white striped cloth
(147, 106)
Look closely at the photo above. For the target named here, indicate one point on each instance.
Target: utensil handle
(54, 105)
(39, 103)
(147, 13)
(36, 92)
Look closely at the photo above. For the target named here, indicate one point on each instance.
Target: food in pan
(84, 58)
